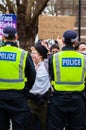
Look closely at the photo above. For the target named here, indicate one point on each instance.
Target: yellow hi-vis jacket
(69, 71)
(12, 66)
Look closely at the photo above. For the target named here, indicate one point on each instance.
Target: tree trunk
(31, 32)
(27, 21)
(26, 33)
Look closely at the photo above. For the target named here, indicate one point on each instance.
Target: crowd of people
(43, 89)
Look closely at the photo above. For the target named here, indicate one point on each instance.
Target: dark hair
(54, 46)
(56, 41)
(42, 50)
(68, 43)
(79, 43)
(39, 41)
(10, 38)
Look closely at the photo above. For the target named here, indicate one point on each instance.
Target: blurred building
(71, 8)
(83, 20)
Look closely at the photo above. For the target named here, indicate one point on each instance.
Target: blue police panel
(71, 62)
(9, 56)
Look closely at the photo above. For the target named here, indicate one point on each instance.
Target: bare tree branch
(2, 8)
(37, 10)
(10, 6)
(27, 16)
(17, 2)
(24, 2)
(28, 11)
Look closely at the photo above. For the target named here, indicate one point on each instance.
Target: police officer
(67, 69)
(16, 68)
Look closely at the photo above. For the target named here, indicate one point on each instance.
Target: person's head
(9, 34)
(70, 38)
(54, 48)
(38, 53)
(43, 42)
(81, 47)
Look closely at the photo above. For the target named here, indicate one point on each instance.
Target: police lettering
(7, 56)
(71, 62)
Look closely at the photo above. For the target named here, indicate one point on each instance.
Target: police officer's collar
(67, 48)
(11, 43)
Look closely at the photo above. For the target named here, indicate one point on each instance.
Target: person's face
(54, 50)
(36, 56)
(82, 48)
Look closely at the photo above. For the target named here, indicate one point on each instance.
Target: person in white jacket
(40, 90)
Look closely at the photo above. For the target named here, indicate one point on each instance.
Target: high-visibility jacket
(12, 67)
(69, 71)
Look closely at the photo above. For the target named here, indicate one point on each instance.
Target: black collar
(11, 43)
(68, 48)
